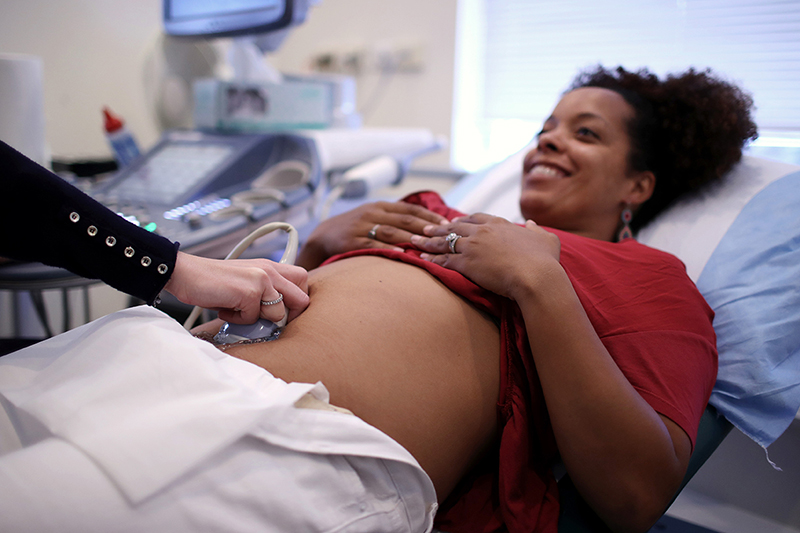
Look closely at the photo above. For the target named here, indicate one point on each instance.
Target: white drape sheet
(131, 424)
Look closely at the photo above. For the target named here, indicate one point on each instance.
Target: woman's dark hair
(688, 129)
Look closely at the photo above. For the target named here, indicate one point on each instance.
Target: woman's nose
(549, 141)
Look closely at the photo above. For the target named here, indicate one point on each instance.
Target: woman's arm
(52, 222)
(626, 459)
(393, 223)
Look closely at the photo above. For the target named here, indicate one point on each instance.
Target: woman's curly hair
(688, 129)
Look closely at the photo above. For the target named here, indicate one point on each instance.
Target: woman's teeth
(546, 171)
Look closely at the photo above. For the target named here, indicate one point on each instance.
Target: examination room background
(101, 52)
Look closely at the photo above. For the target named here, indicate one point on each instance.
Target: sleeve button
(162, 268)
(110, 241)
(74, 217)
(146, 261)
(92, 231)
(129, 252)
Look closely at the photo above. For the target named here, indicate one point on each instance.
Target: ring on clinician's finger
(373, 233)
(452, 239)
(277, 300)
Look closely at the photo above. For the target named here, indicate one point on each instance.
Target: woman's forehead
(604, 103)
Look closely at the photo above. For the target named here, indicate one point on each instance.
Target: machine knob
(194, 220)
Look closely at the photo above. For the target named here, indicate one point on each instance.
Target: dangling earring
(625, 232)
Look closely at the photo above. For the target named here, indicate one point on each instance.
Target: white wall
(422, 99)
(95, 53)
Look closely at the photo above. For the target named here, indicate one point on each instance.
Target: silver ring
(452, 239)
(373, 233)
(277, 300)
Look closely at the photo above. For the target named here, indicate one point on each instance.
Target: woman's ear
(642, 186)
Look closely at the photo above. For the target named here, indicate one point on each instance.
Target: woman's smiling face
(577, 178)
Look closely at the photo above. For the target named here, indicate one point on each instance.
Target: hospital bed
(740, 242)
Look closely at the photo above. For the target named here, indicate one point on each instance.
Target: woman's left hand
(491, 251)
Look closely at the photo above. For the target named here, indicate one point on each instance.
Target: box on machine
(257, 106)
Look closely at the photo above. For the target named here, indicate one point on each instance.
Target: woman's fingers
(396, 222)
(459, 224)
(261, 289)
(449, 243)
(373, 225)
(451, 237)
(413, 212)
(273, 305)
(292, 284)
(284, 290)
(386, 236)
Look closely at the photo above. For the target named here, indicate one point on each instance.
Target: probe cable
(289, 256)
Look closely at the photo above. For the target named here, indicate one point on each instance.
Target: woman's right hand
(500, 256)
(236, 288)
(373, 225)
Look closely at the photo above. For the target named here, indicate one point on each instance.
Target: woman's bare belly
(402, 352)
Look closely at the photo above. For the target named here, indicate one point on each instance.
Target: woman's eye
(586, 132)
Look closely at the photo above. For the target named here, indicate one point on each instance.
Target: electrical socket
(325, 62)
(409, 59)
(406, 59)
(378, 59)
(351, 62)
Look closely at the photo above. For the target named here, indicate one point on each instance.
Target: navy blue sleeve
(46, 219)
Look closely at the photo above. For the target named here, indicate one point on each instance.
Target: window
(515, 57)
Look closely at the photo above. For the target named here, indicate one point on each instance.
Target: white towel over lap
(129, 423)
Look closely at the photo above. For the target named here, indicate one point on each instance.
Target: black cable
(65, 310)
(86, 314)
(41, 311)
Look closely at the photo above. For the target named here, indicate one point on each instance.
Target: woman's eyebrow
(587, 116)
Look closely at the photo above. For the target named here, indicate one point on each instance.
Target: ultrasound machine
(206, 188)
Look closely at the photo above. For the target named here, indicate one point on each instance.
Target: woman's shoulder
(627, 272)
(627, 252)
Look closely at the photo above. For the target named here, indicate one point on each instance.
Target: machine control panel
(205, 189)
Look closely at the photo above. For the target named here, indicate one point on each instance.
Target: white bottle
(122, 142)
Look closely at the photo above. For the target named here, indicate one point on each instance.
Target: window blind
(534, 48)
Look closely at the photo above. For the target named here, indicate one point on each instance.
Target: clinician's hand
(498, 255)
(391, 223)
(236, 288)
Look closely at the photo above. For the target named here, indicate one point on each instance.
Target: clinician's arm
(46, 219)
(394, 223)
(625, 458)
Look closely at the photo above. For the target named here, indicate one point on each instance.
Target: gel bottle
(122, 142)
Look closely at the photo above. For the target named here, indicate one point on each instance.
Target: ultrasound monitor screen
(226, 18)
(206, 8)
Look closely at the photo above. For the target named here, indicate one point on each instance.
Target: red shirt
(651, 319)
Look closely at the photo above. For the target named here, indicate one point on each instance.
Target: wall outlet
(382, 59)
